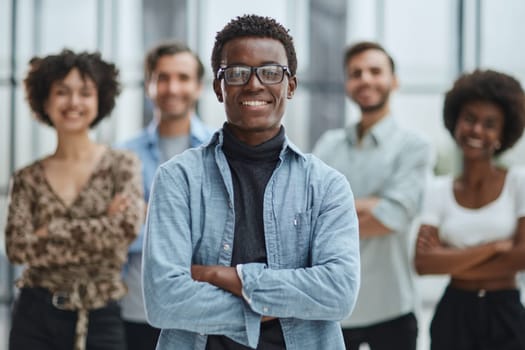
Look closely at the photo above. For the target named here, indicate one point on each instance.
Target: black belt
(57, 299)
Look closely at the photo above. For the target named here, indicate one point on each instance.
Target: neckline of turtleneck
(236, 149)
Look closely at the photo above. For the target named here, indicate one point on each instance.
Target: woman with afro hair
(473, 226)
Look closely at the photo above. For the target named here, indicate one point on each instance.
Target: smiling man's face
(254, 110)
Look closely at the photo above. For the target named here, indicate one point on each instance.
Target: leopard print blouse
(83, 253)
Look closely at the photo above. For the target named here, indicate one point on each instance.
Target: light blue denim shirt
(311, 230)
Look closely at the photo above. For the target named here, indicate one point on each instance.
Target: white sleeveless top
(463, 227)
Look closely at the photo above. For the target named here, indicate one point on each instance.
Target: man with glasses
(250, 243)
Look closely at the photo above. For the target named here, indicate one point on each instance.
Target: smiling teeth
(475, 143)
(254, 103)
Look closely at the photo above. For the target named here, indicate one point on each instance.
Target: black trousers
(478, 320)
(397, 334)
(141, 336)
(38, 325)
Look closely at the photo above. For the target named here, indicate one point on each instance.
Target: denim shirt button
(265, 309)
(226, 246)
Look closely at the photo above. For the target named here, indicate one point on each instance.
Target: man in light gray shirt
(386, 166)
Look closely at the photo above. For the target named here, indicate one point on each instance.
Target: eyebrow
(265, 63)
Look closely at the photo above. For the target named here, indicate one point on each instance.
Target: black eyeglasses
(269, 74)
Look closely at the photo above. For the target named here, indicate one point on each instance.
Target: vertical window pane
(67, 23)
(421, 36)
(4, 137)
(502, 36)
(5, 39)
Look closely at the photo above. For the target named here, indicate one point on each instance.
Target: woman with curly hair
(473, 226)
(73, 213)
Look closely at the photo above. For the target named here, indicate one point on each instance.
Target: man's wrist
(239, 273)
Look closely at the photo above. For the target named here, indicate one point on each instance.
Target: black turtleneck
(251, 168)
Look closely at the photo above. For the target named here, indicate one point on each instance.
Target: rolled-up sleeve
(401, 198)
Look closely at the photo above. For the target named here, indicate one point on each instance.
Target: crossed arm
(212, 299)
(369, 225)
(223, 277)
(495, 259)
(62, 236)
(394, 208)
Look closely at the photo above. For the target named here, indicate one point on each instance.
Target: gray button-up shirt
(393, 164)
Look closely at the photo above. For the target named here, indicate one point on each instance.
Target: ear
(151, 89)
(217, 88)
(395, 83)
(292, 86)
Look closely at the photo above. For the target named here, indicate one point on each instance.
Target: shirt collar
(376, 135)
(198, 131)
(288, 146)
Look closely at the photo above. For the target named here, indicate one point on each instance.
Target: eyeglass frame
(222, 70)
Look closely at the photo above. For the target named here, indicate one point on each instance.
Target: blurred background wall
(432, 41)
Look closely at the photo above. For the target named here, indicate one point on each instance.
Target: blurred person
(250, 243)
(473, 226)
(386, 166)
(72, 214)
(173, 80)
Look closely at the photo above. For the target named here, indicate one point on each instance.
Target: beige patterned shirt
(83, 253)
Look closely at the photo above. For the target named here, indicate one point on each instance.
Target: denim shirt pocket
(302, 236)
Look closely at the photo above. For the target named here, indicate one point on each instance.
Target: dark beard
(374, 108)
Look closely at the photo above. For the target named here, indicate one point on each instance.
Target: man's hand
(201, 272)
(224, 277)
(365, 205)
(369, 226)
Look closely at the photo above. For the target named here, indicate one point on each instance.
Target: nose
(477, 128)
(74, 99)
(366, 76)
(173, 86)
(254, 82)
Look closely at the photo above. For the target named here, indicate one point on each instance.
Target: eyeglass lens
(240, 75)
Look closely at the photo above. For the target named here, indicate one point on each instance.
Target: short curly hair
(491, 86)
(44, 71)
(255, 26)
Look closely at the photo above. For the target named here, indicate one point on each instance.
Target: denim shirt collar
(198, 132)
(375, 136)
